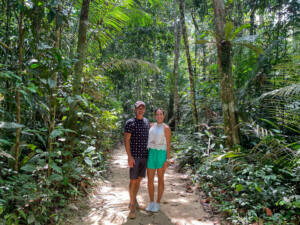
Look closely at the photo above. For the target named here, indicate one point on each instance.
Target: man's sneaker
(156, 207)
(150, 207)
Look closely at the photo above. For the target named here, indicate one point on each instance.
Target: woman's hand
(166, 164)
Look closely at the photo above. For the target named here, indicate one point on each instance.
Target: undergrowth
(247, 185)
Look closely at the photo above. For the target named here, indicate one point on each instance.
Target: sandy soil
(108, 201)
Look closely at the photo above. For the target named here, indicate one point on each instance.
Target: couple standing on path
(148, 148)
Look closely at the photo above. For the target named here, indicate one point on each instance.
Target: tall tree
(18, 96)
(225, 75)
(53, 91)
(81, 55)
(188, 58)
(177, 35)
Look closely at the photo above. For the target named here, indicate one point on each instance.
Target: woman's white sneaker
(150, 207)
(156, 207)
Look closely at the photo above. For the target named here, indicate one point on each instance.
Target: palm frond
(108, 18)
(285, 92)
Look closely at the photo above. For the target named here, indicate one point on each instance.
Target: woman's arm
(168, 139)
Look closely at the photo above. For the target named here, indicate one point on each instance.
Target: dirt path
(108, 203)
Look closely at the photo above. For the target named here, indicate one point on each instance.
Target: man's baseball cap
(138, 103)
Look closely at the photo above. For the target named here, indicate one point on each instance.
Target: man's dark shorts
(138, 169)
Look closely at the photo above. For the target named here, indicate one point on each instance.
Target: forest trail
(108, 202)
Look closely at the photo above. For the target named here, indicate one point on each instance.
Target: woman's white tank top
(157, 138)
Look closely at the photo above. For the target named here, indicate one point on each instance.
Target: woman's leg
(161, 183)
(150, 175)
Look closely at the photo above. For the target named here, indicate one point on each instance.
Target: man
(136, 140)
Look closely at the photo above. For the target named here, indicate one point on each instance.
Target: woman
(158, 158)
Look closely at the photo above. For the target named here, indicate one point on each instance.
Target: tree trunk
(81, 52)
(81, 45)
(188, 58)
(252, 22)
(53, 91)
(18, 97)
(177, 35)
(225, 75)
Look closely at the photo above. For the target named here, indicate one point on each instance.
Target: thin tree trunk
(81, 55)
(204, 63)
(252, 22)
(188, 58)
(225, 75)
(18, 97)
(53, 91)
(177, 34)
(197, 31)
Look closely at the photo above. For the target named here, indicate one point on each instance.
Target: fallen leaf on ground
(269, 212)
(207, 200)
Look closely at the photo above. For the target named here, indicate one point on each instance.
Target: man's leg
(136, 188)
(150, 175)
(161, 183)
(133, 189)
(134, 184)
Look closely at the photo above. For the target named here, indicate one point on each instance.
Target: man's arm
(127, 137)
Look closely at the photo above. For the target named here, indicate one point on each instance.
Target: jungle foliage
(62, 109)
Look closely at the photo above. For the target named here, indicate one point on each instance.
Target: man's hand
(131, 161)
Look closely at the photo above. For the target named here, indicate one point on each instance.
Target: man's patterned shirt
(139, 130)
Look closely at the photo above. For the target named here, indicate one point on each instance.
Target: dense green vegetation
(70, 72)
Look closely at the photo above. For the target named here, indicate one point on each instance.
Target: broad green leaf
(228, 30)
(33, 66)
(296, 204)
(239, 187)
(51, 83)
(1, 209)
(258, 188)
(22, 213)
(10, 75)
(56, 168)
(32, 88)
(31, 146)
(257, 49)
(30, 219)
(28, 168)
(88, 161)
(5, 154)
(89, 149)
(6, 142)
(238, 30)
(67, 130)
(55, 133)
(56, 177)
(9, 125)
